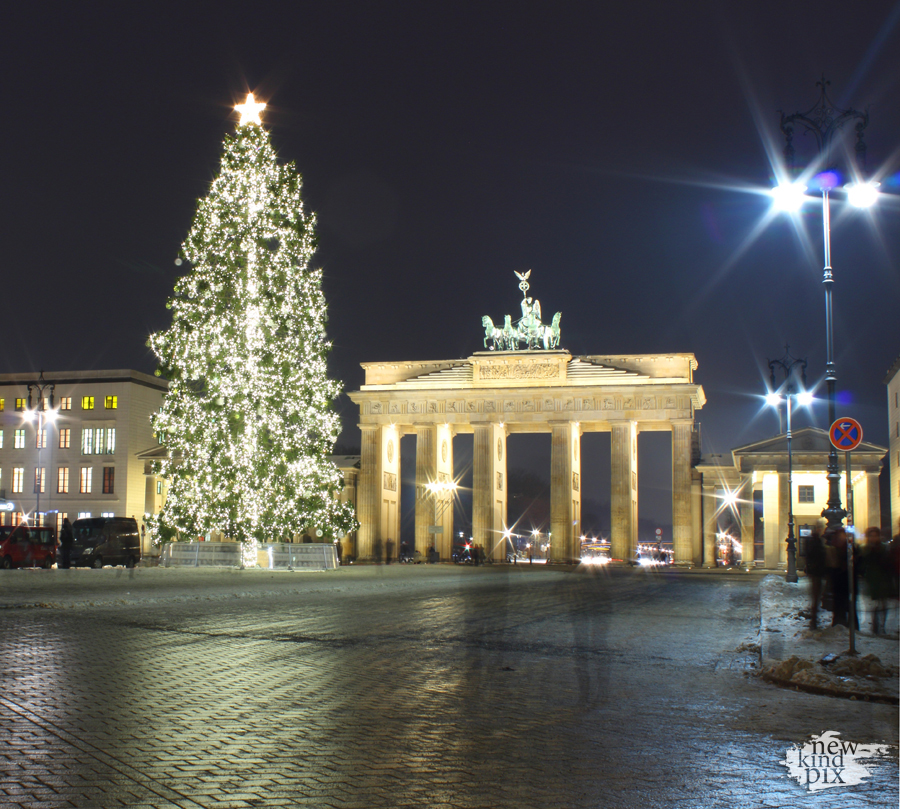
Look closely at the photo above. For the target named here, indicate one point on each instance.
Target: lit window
(107, 514)
(40, 480)
(60, 516)
(1, 439)
(84, 515)
(806, 494)
(20, 404)
(62, 480)
(87, 474)
(20, 439)
(159, 487)
(87, 441)
(40, 439)
(18, 479)
(111, 402)
(65, 403)
(65, 435)
(109, 480)
(18, 518)
(2, 405)
(110, 440)
(87, 402)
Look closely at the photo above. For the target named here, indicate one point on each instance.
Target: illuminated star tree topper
(248, 419)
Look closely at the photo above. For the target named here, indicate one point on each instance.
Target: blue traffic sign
(846, 434)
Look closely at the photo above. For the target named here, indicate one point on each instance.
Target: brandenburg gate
(507, 390)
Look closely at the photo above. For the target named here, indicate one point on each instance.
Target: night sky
(607, 147)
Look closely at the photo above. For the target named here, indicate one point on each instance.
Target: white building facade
(84, 461)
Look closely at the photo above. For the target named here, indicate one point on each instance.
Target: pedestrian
(376, 550)
(340, 554)
(816, 569)
(389, 546)
(66, 540)
(875, 562)
(840, 577)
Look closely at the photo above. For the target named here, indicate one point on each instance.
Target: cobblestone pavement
(413, 686)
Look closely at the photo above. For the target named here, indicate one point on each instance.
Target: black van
(103, 541)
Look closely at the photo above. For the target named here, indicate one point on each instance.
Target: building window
(87, 402)
(2, 405)
(20, 405)
(65, 403)
(18, 479)
(1, 439)
(40, 439)
(159, 487)
(65, 435)
(107, 514)
(20, 439)
(62, 480)
(109, 480)
(806, 494)
(60, 517)
(87, 474)
(98, 441)
(40, 479)
(18, 518)
(111, 402)
(84, 515)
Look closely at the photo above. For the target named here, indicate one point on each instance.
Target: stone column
(624, 490)
(426, 473)
(873, 501)
(710, 524)
(489, 489)
(443, 452)
(747, 522)
(367, 510)
(784, 494)
(565, 492)
(696, 518)
(681, 492)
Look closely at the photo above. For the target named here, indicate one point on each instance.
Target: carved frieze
(500, 481)
(576, 481)
(520, 370)
(390, 482)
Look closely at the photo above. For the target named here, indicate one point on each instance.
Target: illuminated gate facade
(493, 394)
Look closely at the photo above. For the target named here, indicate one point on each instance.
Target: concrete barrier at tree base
(273, 556)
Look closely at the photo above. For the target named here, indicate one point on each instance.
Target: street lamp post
(824, 119)
(789, 364)
(40, 386)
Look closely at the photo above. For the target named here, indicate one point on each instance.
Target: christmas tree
(247, 421)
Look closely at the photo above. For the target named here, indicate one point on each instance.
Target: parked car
(103, 541)
(27, 546)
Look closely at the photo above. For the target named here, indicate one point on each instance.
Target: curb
(830, 692)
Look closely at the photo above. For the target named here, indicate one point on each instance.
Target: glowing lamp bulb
(805, 398)
(862, 195)
(788, 196)
(773, 399)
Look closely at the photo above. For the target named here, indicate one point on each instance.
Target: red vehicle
(27, 546)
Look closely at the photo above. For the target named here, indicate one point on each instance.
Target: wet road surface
(416, 687)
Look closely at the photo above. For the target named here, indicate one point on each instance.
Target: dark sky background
(606, 146)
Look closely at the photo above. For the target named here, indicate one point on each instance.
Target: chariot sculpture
(528, 329)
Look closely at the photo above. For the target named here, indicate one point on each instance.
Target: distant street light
(40, 386)
(789, 366)
(823, 120)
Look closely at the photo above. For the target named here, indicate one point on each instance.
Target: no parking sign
(846, 434)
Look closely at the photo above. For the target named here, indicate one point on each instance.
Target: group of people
(876, 564)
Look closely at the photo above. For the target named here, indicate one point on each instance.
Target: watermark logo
(826, 761)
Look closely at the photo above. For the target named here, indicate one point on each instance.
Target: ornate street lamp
(40, 386)
(824, 119)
